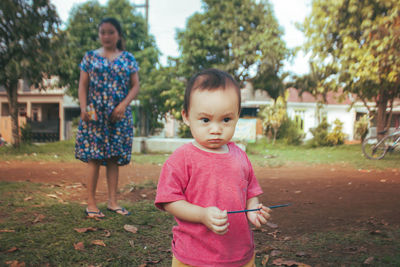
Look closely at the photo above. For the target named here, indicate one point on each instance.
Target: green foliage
(29, 42)
(274, 115)
(361, 127)
(290, 133)
(322, 137)
(82, 35)
(184, 131)
(358, 40)
(26, 133)
(241, 37)
(336, 137)
(320, 134)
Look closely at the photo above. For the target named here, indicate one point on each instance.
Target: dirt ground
(322, 197)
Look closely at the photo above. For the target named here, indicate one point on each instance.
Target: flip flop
(120, 211)
(94, 214)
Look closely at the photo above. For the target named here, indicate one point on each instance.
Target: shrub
(26, 133)
(324, 138)
(336, 137)
(290, 133)
(361, 128)
(320, 134)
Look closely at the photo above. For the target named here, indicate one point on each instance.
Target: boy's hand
(215, 220)
(259, 217)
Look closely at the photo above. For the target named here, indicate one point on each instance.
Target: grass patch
(265, 154)
(43, 231)
(261, 153)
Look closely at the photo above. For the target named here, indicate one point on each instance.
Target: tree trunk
(381, 104)
(12, 95)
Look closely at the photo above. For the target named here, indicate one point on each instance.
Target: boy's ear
(185, 118)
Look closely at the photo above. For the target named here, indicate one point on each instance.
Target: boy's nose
(215, 128)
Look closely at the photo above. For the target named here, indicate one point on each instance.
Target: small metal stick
(271, 207)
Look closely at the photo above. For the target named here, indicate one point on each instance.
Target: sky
(165, 16)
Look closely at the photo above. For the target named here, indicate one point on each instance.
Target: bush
(324, 138)
(320, 134)
(26, 133)
(336, 137)
(290, 133)
(361, 128)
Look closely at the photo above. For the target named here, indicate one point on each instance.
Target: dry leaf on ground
(130, 228)
(12, 249)
(98, 243)
(15, 263)
(265, 260)
(86, 229)
(6, 231)
(39, 218)
(79, 246)
(282, 262)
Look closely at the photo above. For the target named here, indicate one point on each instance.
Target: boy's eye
(205, 120)
(227, 119)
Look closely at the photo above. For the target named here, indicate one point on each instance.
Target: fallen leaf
(12, 249)
(302, 254)
(6, 231)
(131, 243)
(265, 260)
(52, 196)
(282, 262)
(39, 218)
(15, 263)
(79, 246)
(272, 225)
(143, 265)
(130, 228)
(369, 260)
(98, 243)
(275, 253)
(383, 180)
(107, 233)
(84, 230)
(297, 192)
(28, 198)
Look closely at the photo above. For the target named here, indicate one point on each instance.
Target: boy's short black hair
(209, 79)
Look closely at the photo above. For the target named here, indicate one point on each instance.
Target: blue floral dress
(101, 139)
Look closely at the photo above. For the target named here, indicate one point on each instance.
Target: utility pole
(146, 7)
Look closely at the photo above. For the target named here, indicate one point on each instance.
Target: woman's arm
(119, 111)
(212, 217)
(82, 94)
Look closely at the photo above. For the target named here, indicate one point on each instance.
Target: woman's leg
(94, 167)
(112, 182)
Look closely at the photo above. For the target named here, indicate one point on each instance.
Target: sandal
(94, 214)
(121, 211)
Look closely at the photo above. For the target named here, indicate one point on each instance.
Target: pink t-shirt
(207, 179)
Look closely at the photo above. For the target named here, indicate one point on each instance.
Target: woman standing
(108, 83)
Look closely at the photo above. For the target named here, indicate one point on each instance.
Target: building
(44, 110)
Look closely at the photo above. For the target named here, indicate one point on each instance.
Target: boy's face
(212, 117)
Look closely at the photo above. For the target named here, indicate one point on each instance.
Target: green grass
(43, 235)
(265, 154)
(260, 153)
(50, 240)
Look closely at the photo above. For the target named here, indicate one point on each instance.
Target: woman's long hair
(117, 25)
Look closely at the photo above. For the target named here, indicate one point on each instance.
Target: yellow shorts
(177, 263)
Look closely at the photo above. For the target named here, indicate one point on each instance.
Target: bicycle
(375, 148)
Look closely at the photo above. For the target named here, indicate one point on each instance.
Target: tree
(28, 37)
(360, 39)
(241, 37)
